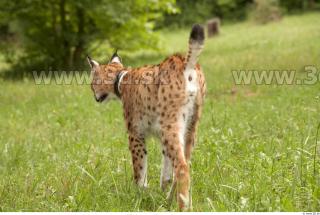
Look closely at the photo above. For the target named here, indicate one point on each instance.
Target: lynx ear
(93, 63)
(115, 58)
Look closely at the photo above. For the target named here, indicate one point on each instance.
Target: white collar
(121, 75)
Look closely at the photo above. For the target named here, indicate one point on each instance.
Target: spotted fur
(164, 100)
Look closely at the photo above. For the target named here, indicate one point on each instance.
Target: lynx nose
(101, 98)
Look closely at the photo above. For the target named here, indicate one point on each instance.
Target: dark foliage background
(228, 10)
(57, 34)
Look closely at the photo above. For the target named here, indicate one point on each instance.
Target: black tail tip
(197, 33)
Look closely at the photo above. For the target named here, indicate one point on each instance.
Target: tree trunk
(65, 54)
(55, 35)
(311, 4)
(78, 51)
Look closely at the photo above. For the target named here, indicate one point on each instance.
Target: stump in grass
(213, 27)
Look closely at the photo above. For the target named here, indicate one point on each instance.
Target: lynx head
(104, 76)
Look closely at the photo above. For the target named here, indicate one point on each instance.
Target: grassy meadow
(256, 146)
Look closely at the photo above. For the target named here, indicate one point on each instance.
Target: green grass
(61, 151)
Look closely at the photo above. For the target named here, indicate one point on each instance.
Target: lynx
(163, 100)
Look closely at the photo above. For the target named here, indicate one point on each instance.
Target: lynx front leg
(139, 159)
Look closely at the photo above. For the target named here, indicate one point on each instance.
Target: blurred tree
(299, 5)
(231, 9)
(200, 10)
(192, 11)
(291, 5)
(265, 11)
(55, 34)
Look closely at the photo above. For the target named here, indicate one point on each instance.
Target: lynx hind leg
(191, 133)
(166, 171)
(174, 149)
(190, 138)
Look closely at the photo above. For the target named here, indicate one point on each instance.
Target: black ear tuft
(92, 62)
(115, 57)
